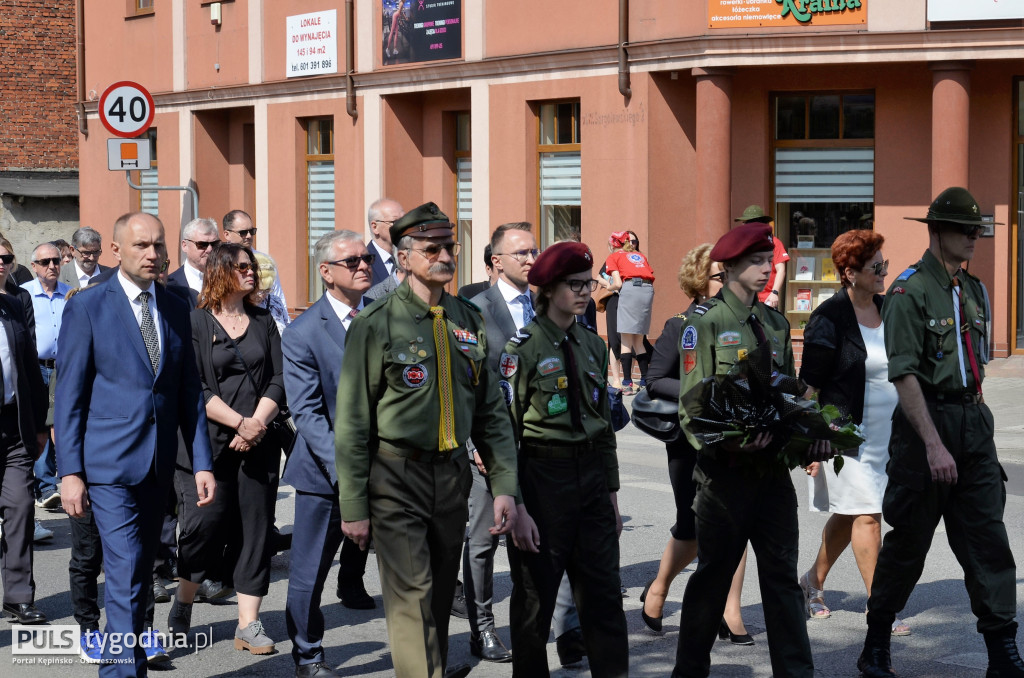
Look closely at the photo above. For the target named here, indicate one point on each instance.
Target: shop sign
(768, 13)
(975, 10)
(421, 30)
(312, 44)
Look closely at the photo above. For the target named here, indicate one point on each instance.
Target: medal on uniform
(595, 395)
(558, 404)
(563, 382)
(464, 336)
(741, 354)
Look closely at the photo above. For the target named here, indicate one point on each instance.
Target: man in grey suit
(387, 285)
(313, 346)
(88, 246)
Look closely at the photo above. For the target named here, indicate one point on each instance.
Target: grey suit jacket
(382, 289)
(70, 276)
(498, 323)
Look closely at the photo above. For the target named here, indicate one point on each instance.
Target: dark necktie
(148, 328)
(575, 395)
(965, 335)
(758, 329)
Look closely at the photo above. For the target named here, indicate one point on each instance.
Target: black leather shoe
(571, 649)
(319, 669)
(653, 623)
(210, 590)
(459, 602)
(488, 646)
(179, 619)
(460, 671)
(168, 570)
(874, 662)
(355, 597)
(160, 592)
(280, 541)
(735, 638)
(26, 613)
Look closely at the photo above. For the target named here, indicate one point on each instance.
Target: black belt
(48, 362)
(425, 456)
(954, 398)
(539, 451)
(640, 282)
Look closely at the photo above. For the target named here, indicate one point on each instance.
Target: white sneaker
(50, 501)
(41, 533)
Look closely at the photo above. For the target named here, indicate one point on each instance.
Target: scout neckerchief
(446, 429)
(965, 334)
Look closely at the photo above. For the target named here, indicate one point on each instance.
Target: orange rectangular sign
(792, 13)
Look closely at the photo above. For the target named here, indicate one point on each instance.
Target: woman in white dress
(844, 364)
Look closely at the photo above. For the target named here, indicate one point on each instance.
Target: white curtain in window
(320, 206)
(825, 175)
(464, 188)
(149, 200)
(560, 179)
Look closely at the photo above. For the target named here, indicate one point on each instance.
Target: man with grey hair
(197, 238)
(313, 346)
(88, 246)
(381, 215)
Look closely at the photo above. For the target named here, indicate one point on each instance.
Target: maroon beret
(558, 261)
(753, 237)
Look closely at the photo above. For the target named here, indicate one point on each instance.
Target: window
(137, 7)
(558, 148)
(148, 201)
(824, 179)
(464, 196)
(319, 192)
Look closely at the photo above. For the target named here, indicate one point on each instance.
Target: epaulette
(705, 306)
(469, 303)
(907, 273)
(585, 325)
(681, 316)
(520, 337)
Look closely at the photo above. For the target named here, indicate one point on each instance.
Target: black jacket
(834, 355)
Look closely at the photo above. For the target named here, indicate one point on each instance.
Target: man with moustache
(313, 347)
(414, 386)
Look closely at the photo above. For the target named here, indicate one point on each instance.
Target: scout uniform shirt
(388, 394)
(923, 327)
(718, 334)
(535, 382)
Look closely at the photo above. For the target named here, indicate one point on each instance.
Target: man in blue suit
(128, 382)
(313, 346)
(381, 215)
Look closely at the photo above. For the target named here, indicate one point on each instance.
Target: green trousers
(418, 513)
(972, 510)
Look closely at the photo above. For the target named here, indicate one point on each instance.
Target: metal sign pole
(195, 196)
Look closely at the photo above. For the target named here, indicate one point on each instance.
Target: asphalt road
(944, 642)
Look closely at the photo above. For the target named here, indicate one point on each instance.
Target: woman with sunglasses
(633, 279)
(238, 349)
(845, 364)
(554, 382)
(700, 279)
(8, 285)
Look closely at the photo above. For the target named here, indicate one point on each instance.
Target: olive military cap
(425, 221)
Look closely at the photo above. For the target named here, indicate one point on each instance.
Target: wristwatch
(775, 292)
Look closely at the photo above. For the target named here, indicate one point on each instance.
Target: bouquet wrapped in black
(754, 398)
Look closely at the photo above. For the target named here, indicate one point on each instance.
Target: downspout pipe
(624, 89)
(350, 58)
(83, 122)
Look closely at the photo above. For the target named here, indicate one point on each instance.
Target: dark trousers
(128, 518)
(418, 512)
(315, 540)
(230, 538)
(568, 499)
(17, 507)
(45, 467)
(168, 546)
(734, 506)
(972, 510)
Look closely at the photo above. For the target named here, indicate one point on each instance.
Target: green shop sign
(804, 10)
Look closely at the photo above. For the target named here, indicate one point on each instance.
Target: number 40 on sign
(126, 109)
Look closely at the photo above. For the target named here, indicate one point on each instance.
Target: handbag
(657, 417)
(601, 296)
(619, 415)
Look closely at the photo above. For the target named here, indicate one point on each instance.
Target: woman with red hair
(845, 364)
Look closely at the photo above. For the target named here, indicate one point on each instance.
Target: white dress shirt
(384, 257)
(343, 310)
(193, 276)
(515, 306)
(83, 277)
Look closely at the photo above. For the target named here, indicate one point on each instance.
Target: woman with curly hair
(238, 349)
(845, 364)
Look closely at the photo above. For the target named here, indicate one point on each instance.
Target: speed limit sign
(126, 109)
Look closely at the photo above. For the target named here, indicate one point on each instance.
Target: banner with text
(312, 44)
(755, 13)
(421, 30)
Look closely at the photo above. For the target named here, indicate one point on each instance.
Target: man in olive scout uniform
(735, 502)
(942, 455)
(413, 387)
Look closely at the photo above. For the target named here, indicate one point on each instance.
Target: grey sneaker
(179, 619)
(253, 638)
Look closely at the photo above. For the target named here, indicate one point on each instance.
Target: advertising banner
(421, 30)
(974, 10)
(312, 44)
(792, 13)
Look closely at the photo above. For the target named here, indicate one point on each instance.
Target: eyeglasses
(204, 244)
(245, 231)
(385, 221)
(244, 266)
(352, 263)
(90, 253)
(6, 259)
(879, 267)
(52, 261)
(578, 285)
(720, 277)
(521, 255)
(433, 250)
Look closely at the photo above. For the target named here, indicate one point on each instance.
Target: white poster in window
(974, 10)
(312, 44)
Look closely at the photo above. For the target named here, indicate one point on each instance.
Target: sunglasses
(433, 250)
(578, 285)
(204, 244)
(720, 276)
(244, 267)
(52, 261)
(352, 263)
(245, 231)
(6, 259)
(879, 268)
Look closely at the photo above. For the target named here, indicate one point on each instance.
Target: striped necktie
(446, 428)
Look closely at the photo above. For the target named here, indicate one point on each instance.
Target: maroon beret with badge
(754, 237)
(558, 261)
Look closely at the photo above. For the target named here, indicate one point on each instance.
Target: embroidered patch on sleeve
(689, 338)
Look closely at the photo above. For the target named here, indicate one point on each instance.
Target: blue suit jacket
(313, 345)
(115, 419)
(380, 269)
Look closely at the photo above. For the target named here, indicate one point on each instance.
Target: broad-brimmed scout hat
(754, 213)
(955, 205)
